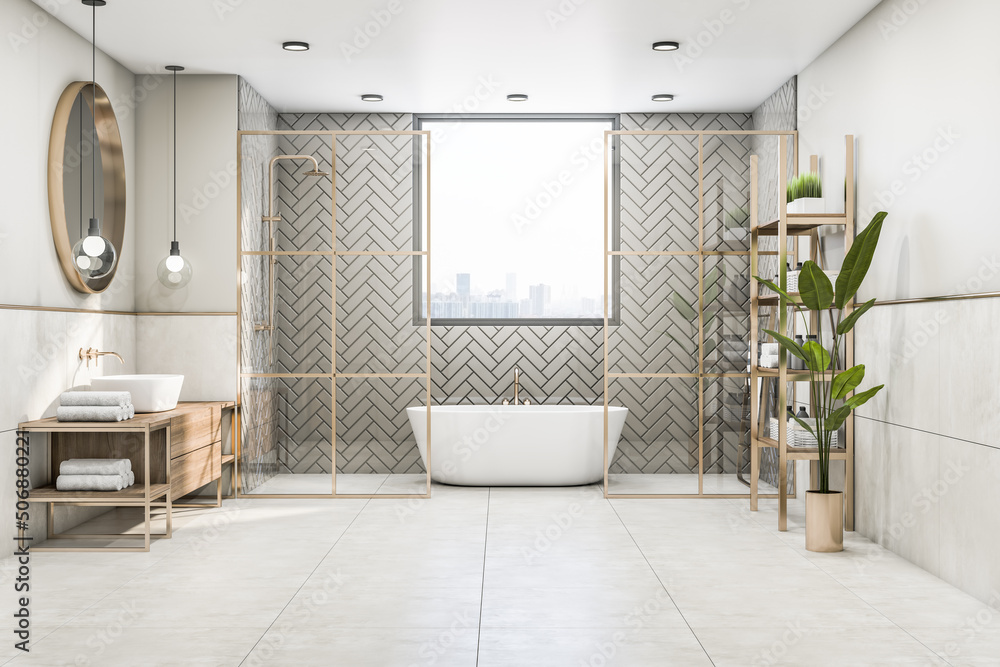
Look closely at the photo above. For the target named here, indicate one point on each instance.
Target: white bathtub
(524, 445)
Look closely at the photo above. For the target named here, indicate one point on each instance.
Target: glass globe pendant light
(174, 271)
(93, 255)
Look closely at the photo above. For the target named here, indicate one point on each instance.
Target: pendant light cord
(175, 155)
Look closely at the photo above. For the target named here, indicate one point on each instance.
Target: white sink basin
(150, 393)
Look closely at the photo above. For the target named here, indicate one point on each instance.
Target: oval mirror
(86, 178)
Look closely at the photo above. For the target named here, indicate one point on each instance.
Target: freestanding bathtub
(522, 445)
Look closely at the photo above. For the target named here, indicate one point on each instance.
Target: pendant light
(174, 271)
(93, 255)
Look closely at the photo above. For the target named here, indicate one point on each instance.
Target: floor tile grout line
(482, 588)
(852, 592)
(304, 582)
(655, 574)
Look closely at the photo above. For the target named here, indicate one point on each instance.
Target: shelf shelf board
(134, 495)
(802, 453)
(792, 375)
(228, 458)
(802, 224)
(774, 300)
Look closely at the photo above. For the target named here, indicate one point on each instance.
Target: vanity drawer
(195, 428)
(195, 469)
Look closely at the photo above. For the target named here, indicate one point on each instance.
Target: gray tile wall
(474, 364)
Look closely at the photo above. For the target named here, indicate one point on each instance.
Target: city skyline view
(467, 300)
(535, 210)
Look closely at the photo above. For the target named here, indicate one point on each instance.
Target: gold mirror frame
(113, 174)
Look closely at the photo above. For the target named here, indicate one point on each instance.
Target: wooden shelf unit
(791, 225)
(134, 495)
(172, 453)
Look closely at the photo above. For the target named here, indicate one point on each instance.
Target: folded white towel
(128, 480)
(768, 361)
(116, 399)
(93, 413)
(95, 467)
(89, 482)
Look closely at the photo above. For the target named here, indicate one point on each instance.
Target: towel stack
(95, 406)
(95, 475)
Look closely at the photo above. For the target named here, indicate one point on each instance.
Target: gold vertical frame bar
(426, 165)
(849, 227)
(701, 314)
(783, 328)
(333, 312)
(607, 298)
(239, 312)
(754, 357)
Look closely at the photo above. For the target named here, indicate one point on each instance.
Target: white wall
(202, 348)
(920, 93)
(39, 57)
(36, 64)
(206, 192)
(916, 82)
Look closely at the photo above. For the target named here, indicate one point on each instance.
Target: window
(517, 219)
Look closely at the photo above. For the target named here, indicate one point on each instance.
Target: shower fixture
(272, 217)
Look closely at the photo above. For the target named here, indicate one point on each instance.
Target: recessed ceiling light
(371, 97)
(517, 97)
(666, 46)
(295, 46)
(663, 97)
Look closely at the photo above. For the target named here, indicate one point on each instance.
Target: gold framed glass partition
(678, 358)
(319, 247)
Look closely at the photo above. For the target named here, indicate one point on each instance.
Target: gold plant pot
(825, 521)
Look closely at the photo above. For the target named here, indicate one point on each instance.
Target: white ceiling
(567, 55)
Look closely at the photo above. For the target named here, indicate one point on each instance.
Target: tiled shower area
(684, 316)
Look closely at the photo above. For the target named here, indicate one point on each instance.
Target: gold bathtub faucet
(93, 353)
(517, 390)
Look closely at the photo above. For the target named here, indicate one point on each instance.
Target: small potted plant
(830, 389)
(805, 194)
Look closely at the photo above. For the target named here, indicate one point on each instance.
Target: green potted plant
(830, 388)
(805, 194)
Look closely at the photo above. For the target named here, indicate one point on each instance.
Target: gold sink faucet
(517, 390)
(93, 353)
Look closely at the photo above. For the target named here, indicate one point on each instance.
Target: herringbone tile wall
(474, 364)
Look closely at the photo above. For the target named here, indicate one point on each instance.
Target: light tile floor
(494, 577)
